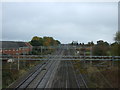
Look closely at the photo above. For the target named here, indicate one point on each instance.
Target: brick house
(14, 47)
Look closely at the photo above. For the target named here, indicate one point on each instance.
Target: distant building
(14, 47)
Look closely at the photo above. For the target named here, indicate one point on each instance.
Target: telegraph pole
(18, 60)
(41, 50)
(91, 54)
(84, 55)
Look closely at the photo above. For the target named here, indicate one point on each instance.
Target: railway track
(41, 77)
(81, 83)
(55, 73)
(25, 83)
(61, 77)
(27, 75)
(66, 77)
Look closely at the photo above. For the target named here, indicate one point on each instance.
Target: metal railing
(63, 57)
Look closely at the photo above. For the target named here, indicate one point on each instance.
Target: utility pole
(18, 60)
(84, 55)
(91, 54)
(91, 51)
(41, 50)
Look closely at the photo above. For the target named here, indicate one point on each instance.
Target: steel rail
(49, 84)
(47, 76)
(47, 69)
(30, 75)
(67, 75)
(43, 81)
(35, 75)
(75, 75)
(42, 76)
(83, 81)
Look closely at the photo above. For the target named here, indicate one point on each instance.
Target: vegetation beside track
(98, 77)
(10, 72)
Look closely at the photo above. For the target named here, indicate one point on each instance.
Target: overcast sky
(82, 22)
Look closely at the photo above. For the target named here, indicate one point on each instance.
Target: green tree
(36, 41)
(117, 37)
(49, 41)
(58, 42)
(45, 41)
(90, 43)
(101, 48)
(115, 47)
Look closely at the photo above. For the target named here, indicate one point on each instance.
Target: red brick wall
(15, 51)
(20, 50)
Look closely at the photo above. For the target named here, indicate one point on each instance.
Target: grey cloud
(64, 21)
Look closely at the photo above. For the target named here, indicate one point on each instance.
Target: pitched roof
(12, 44)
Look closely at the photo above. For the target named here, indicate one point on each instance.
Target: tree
(36, 41)
(80, 44)
(90, 43)
(101, 48)
(45, 41)
(48, 41)
(117, 37)
(58, 42)
(115, 47)
(74, 43)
